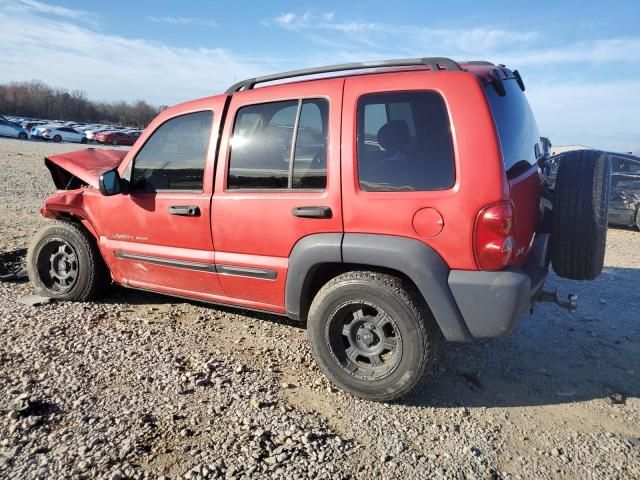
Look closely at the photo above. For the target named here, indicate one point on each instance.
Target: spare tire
(580, 208)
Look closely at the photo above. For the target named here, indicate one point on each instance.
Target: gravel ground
(143, 386)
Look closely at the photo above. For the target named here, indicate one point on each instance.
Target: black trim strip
(247, 272)
(168, 262)
(202, 267)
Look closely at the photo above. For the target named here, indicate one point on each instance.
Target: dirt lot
(144, 386)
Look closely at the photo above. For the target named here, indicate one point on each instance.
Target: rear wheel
(580, 210)
(83, 140)
(638, 219)
(372, 334)
(57, 139)
(22, 136)
(114, 142)
(63, 262)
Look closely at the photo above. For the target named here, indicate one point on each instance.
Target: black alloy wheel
(364, 340)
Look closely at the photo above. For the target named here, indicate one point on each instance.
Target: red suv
(385, 208)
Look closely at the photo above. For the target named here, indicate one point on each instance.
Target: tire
(22, 136)
(114, 142)
(84, 140)
(57, 139)
(581, 205)
(400, 319)
(637, 225)
(63, 262)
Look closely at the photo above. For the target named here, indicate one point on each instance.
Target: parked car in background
(624, 198)
(64, 134)
(28, 125)
(115, 138)
(91, 133)
(624, 208)
(37, 131)
(10, 129)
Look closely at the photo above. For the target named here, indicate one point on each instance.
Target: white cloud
(42, 7)
(602, 115)
(110, 67)
(183, 21)
(359, 34)
(65, 50)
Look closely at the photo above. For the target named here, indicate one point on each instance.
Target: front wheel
(22, 136)
(57, 139)
(63, 262)
(372, 334)
(114, 142)
(83, 140)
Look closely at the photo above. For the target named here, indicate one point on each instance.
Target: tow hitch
(552, 297)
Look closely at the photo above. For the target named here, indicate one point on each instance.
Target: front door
(277, 181)
(158, 235)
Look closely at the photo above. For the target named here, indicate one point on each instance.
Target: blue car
(9, 129)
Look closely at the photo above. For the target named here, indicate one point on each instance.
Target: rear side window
(516, 127)
(404, 142)
(280, 145)
(174, 156)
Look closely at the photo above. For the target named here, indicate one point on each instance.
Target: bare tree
(39, 100)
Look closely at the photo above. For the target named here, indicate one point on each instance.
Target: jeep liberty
(387, 205)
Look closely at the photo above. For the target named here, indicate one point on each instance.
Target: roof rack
(436, 63)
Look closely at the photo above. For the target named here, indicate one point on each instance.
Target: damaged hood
(84, 165)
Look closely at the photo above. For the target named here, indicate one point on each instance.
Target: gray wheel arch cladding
(423, 265)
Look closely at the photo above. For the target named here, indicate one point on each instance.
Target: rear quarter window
(404, 142)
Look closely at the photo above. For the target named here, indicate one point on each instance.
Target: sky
(580, 59)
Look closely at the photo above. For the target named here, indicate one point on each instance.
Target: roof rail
(478, 62)
(436, 63)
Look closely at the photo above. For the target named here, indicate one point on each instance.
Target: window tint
(404, 142)
(516, 127)
(262, 142)
(174, 156)
(310, 161)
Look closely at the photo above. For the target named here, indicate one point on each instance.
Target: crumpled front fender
(68, 204)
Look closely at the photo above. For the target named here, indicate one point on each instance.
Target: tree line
(38, 100)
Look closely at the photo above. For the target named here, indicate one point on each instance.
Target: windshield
(517, 129)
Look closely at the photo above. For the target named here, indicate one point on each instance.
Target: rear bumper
(492, 303)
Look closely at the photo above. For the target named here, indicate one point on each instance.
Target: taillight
(493, 240)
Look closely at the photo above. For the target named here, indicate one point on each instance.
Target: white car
(9, 129)
(64, 134)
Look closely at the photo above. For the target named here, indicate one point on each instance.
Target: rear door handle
(312, 212)
(185, 210)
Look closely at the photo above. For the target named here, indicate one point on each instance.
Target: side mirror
(110, 183)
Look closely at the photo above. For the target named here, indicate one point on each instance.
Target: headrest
(394, 135)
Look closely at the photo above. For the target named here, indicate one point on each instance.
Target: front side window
(265, 141)
(174, 157)
(404, 142)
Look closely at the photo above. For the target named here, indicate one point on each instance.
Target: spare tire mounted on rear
(580, 208)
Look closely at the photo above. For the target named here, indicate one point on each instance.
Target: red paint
(256, 228)
(428, 222)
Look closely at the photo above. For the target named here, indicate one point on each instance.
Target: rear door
(277, 181)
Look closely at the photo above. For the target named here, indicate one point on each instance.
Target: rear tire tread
(406, 294)
(580, 220)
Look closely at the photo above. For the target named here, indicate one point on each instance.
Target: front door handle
(312, 212)
(185, 210)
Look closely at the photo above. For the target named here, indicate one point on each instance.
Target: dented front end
(76, 174)
(82, 168)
